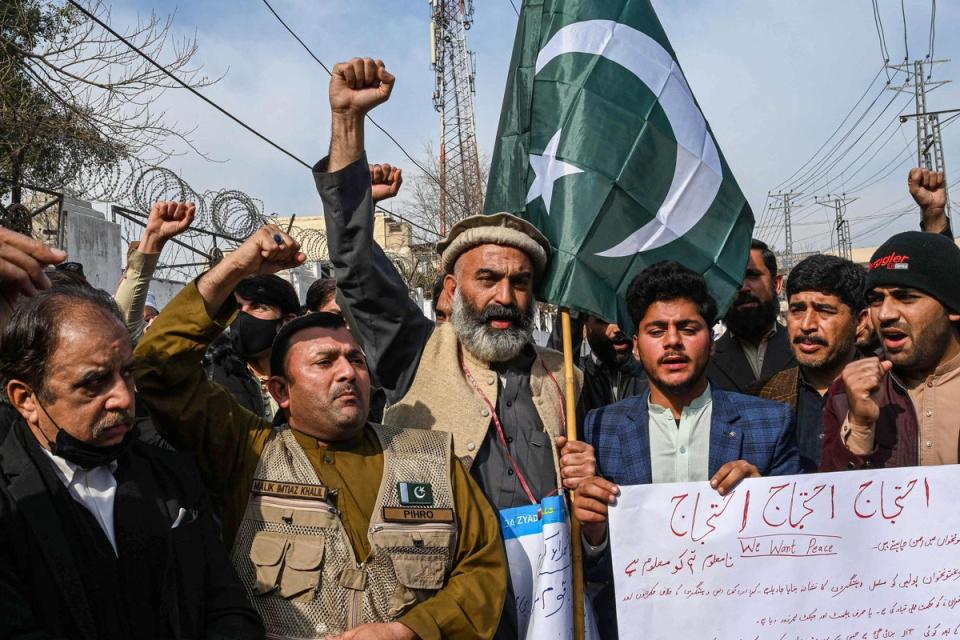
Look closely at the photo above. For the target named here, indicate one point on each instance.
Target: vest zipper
(300, 505)
(355, 604)
(426, 526)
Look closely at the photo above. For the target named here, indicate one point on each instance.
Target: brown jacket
(441, 397)
(782, 387)
(897, 430)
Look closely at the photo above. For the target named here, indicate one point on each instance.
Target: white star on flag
(548, 170)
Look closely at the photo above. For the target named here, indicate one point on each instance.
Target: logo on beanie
(893, 261)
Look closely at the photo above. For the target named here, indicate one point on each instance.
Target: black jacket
(600, 380)
(729, 369)
(43, 594)
(228, 369)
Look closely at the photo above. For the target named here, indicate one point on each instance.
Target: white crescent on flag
(698, 173)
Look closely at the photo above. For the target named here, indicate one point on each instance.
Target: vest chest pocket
(287, 564)
(420, 555)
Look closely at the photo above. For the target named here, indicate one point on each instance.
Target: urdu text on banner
(864, 555)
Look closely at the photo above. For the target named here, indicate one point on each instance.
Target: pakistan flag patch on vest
(415, 493)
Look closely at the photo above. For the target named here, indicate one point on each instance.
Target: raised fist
(358, 86)
(167, 219)
(861, 379)
(267, 251)
(385, 181)
(928, 188)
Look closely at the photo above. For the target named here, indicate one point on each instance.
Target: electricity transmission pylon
(929, 141)
(461, 188)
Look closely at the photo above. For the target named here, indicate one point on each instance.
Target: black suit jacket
(730, 370)
(42, 594)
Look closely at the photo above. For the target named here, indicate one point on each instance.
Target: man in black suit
(101, 535)
(755, 346)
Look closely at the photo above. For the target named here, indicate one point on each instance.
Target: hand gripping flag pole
(571, 411)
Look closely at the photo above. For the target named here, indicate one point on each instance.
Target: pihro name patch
(417, 515)
(289, 490)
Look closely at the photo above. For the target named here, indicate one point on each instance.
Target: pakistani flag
(603, 147)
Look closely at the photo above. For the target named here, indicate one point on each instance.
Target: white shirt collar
(68, 470)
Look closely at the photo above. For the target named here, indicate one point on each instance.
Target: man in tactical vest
(338, 526)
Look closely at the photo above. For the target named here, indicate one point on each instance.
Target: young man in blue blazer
(680, 429)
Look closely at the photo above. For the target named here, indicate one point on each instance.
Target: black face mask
(85, 454)
(251, 336)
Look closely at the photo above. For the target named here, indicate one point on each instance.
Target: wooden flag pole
(571, 412)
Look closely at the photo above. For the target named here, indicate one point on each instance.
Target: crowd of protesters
(242, 464)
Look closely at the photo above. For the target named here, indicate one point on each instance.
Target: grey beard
(484, 343)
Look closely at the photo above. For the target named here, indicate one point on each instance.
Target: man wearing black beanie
(900, 410)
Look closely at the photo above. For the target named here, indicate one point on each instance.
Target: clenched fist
(928, 188)
(358, 86)
(385, 181)
(861, 379)
(167, 219)
(267, 251)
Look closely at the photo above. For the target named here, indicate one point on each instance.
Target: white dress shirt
(95, 489)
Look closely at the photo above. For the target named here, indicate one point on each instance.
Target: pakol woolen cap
(499, 228)
(928, 262)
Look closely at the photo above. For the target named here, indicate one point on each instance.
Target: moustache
(810, 340)
(343, 388)
(744, 298)
(675, 356)
(115, 419)
(501, 312)
(897, 325)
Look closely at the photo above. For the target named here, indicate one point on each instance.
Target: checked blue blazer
(741, 428)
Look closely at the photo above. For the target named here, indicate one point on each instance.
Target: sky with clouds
(773, 77)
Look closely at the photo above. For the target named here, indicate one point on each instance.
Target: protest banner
(866, 555)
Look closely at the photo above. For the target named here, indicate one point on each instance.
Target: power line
(372, 121)
(820, 171)
(847, 168)
(933, 28)
(884, 53)
(183, 84)
(906, 49)
(814, 169)
(218, 107)
(835, 131)
(514, 8)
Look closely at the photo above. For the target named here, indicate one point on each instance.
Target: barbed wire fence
(224, 217)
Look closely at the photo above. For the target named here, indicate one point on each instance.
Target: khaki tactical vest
(441, 397)
(295, 559)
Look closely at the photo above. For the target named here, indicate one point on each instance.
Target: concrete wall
(94, 242)
(165, 290)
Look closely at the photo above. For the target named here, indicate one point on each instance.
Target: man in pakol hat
(479, 376)
(900, 410)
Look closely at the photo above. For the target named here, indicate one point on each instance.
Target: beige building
(393, 236)
(417, 263)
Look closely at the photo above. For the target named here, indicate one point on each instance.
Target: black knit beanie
(928, 262)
